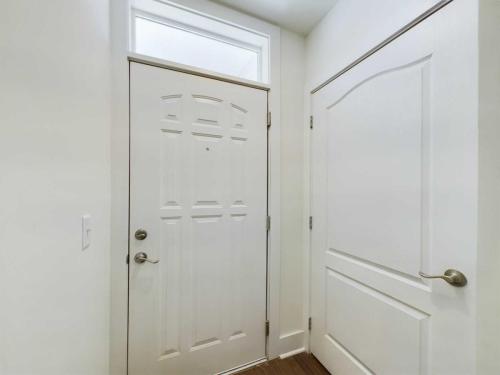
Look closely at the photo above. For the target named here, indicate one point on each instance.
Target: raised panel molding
(238, 120)
(170, 165)
(388, 326)
(207, 239)
(169, 271)
(379, 177)
(171, 105)
(208, 110)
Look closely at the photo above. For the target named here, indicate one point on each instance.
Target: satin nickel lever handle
(451, 276)
(143, 257)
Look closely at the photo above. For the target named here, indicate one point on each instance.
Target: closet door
(394, 173)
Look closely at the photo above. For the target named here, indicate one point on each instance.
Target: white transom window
(170, 32)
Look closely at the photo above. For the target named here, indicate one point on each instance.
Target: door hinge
(310, 222)
(268, 119)
(311, 121)
(267, 328)
(127, 259)
(310, 323)
(268, 223)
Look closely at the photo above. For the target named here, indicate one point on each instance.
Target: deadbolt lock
(140, 234)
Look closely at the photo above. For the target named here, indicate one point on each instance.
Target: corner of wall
(488, 278)
(293, 277)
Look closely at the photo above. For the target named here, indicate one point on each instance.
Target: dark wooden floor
(300, 364)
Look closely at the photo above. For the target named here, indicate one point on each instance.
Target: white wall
(119, 185)
(54, 135)
(488, 277)
(292, 190)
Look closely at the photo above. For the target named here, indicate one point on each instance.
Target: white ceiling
(295, 15)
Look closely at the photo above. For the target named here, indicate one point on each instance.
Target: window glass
(194, 47)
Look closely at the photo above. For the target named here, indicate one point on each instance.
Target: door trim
(268, 228)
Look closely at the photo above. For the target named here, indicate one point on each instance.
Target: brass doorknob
(451, 276)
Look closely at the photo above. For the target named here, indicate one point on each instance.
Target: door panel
(375, 169)
(394, 193)
(198, 185)
(373, 325)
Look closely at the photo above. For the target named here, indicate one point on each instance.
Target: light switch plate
(86, 229)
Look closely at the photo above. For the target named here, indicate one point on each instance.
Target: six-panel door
(198, 170)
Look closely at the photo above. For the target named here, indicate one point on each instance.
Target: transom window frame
(158, 11)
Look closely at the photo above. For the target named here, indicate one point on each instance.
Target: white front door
(198, 172)
(394, 194)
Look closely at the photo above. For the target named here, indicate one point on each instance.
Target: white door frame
(120, 181)
(119, 300)
(120, 18)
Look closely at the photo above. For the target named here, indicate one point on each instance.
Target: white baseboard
(243, 367)
(292, 353)
(291, 342)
